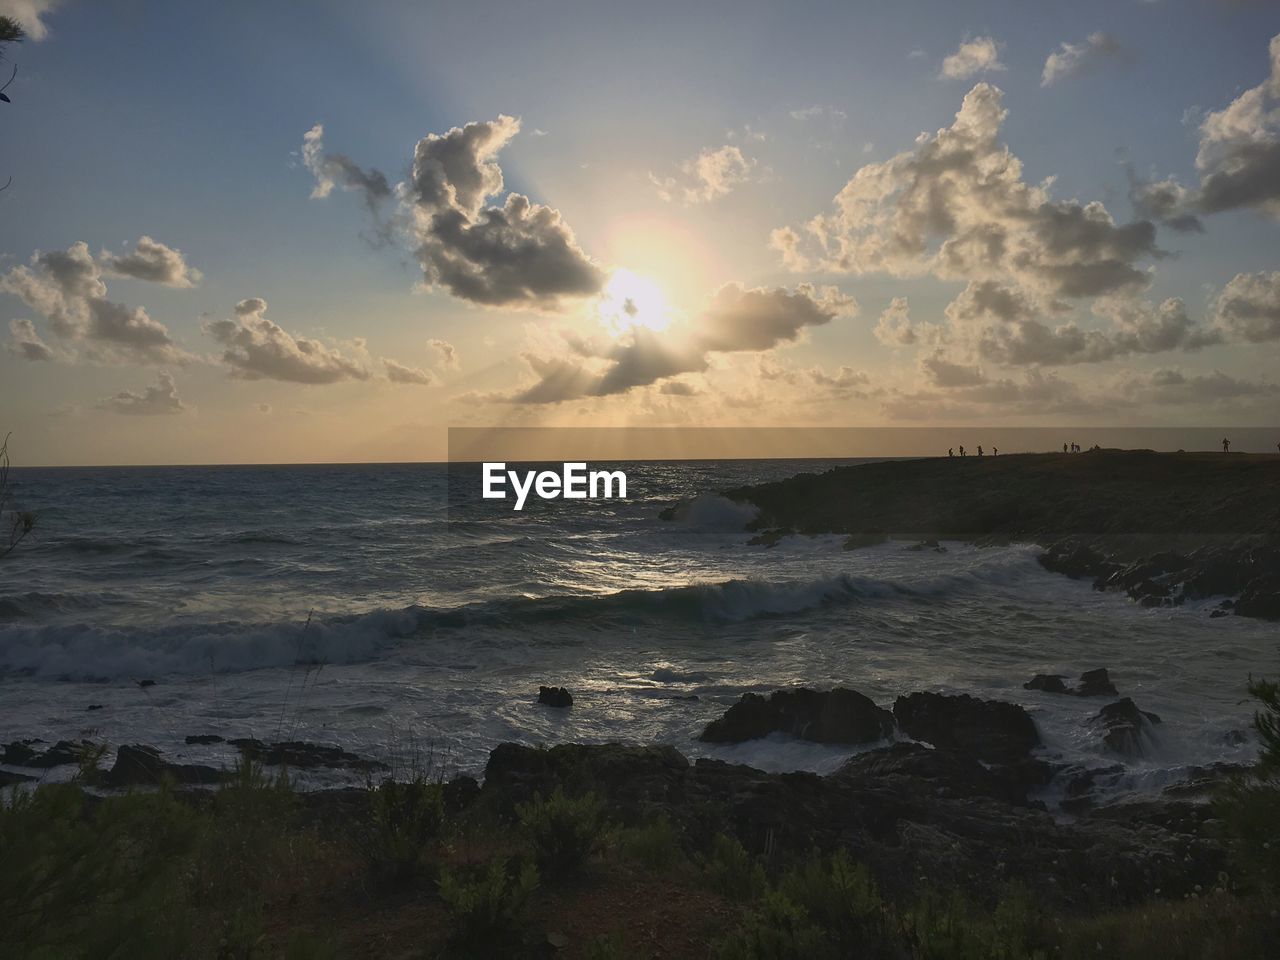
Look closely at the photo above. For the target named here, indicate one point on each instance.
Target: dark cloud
(257, 349)
(738, 319)
(1176, 387)
(159, 398)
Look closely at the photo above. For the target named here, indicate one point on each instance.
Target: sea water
(352, 605)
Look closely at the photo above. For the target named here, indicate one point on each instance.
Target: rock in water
(140, 765)
(1096, 683)
(555, 697)
(833, 716)
(990, 730)
(1126, 726)
(1048, 682)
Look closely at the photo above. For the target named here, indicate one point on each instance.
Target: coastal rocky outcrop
(1127, 728)
(832, 716)
(1093, 683)
(907, 810)
(24, 753)
(555, 697)
(138, 765)
(302, 756)
(990, 730)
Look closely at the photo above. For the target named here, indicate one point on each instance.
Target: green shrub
(406, 819)
(731, 872)
(654, 845)
(565, 831)
(104, 884)
(488, 910)
(609, 946)
(1249, 807)
(949, 928)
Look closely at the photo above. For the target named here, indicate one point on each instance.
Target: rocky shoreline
(956, 801)
(1165, 529)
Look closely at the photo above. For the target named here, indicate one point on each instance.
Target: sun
(630, 301)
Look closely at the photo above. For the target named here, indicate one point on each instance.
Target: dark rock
(1096, 683)
(555, 697)
(460, 793)
(940, 772)
(855, 541)
(20, 753)
(143, 766)
(204, 739)
(928, 545)
(94, 706)
(833, 716)
(1126, 726)
(1215, 614)
(990, 730)
(1080, 785)
(1077, 562)
(888, 808)
(769, 538)
(8, 779)
(146, 683)
(302, 756)
(1048, 682)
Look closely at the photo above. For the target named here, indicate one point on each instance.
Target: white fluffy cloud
(255, 348)
(67, 288)
(446, 354)
(956, 207)
(713, 173)
(159, 398)
(1072, 58)
(30, 14)
(155, 262)
(400, 373)
(1248, 308)
(979, 55)
(25, 342)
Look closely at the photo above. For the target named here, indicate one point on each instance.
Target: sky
(327, 231)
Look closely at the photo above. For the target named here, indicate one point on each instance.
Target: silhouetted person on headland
(962, 453)
(1226, 445)
(979, 449)
(995, 451)
(951, 452)
(1064, 448)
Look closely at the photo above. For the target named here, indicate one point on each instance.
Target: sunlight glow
(630, 301)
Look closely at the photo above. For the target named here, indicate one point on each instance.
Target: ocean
(355, 606)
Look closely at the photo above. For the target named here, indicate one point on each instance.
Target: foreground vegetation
(421, 869)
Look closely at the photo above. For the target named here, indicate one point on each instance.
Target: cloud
(679, 388)
(154, 262)
(30, 14)
(1248, 308)
(159, 398)
(257, 349)
(1072, 58)
(943, 373)
(26, 343)
(66, 287)
(1166, 201)
(520, 254)
(894, 327)
(979, 55)
(1176, 387)
(738, 319)
(1239, 155)
(1038, 393)
(338, 170)
(956, 207)
(706, 177)
(399, 373)
(446, 354)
